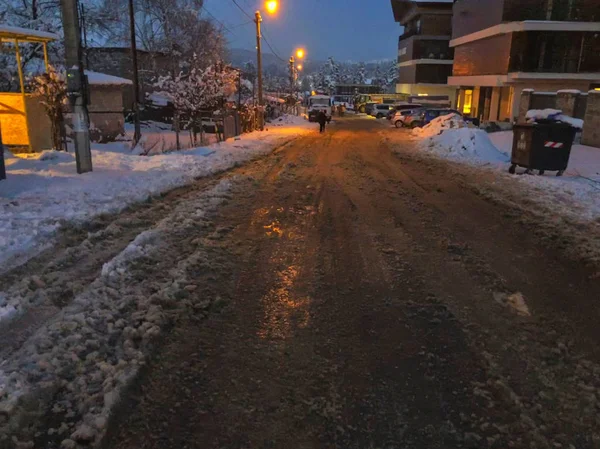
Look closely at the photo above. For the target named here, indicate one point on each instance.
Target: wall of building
(436, 24)
(489, 56)
(591, 129)
(107, 121)
(429, 90)
(471, 16)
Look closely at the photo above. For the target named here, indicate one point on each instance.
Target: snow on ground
(576, 194)
(449, 136)
(43, 190)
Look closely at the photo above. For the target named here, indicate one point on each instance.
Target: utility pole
(258, 20)
(137, 134)
(239, 89)
(76, 85)
(292, 76)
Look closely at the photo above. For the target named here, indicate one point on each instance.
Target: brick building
(116, 61)
(424, 54)
(504, 46)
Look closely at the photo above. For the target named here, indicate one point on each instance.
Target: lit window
(468, 101)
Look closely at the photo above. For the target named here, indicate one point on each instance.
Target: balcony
(554, 10)
(546, 52)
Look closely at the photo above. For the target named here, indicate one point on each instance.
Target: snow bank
(439, 125)
(450, 136)
(553, 114)
(574, 195)
(43, 191)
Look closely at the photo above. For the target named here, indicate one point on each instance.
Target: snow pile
(471, 144)
(439, 125)
(43, 191)
(450, 136)
(554, 115)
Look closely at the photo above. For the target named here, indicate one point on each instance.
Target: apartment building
(424, 54)
(504, 46)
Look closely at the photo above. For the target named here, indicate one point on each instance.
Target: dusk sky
(359, 30)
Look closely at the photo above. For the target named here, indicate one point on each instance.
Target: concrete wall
(591, 127)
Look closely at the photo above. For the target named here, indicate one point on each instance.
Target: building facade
(425, 57)
(504, 46)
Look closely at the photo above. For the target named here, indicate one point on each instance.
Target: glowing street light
(300, 53)
(271, 6)
(299, 67)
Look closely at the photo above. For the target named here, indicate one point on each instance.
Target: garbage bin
(542, 146)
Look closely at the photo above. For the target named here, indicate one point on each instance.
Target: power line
(264, 33)
(242, 9)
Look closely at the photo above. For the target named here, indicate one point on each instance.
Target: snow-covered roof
(98, 78)
(25, 34)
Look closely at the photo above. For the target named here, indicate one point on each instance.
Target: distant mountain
(271, 63)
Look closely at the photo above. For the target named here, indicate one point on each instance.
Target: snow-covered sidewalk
(575, 195)
(43, 191)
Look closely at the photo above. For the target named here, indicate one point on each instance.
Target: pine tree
(361, 74)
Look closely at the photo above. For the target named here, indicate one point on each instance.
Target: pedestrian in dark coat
(322, 119)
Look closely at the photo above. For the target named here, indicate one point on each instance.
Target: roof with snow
(97, 78)
(10, 33)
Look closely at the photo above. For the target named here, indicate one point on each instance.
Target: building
(424, 54)
(116, 61)
(504, 46)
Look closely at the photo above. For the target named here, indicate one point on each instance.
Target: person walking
(342, 110)
(322, 119)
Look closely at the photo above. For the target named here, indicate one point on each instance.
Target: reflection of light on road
(283, 308)
(274, 229)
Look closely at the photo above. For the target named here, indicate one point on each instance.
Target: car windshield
(319, 101)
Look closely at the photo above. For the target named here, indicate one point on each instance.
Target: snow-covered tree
(334, 71)
(361, 74)
(50, 89)
(199, 89)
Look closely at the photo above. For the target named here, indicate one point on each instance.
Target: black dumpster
(542, 146)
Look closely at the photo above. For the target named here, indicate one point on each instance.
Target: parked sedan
(380, 110)
(402, 107)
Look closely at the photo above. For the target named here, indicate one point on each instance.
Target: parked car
(401, 107)
(380, 110)
(400, 118)
(369, 108)
(424, 116)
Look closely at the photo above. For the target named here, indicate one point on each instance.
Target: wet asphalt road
(369, 300)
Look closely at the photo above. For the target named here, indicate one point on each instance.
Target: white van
(318, 103)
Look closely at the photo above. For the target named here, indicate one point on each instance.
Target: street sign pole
(76, 86)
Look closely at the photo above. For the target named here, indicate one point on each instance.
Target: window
(468, 101)
(402, 51)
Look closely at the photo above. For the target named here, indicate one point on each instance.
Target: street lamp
(299, 67)
(300, 53)
(272, 6)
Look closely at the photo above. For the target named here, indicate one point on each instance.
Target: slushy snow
(43, 190)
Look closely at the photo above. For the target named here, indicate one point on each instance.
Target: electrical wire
(264, 33)
(242, 9)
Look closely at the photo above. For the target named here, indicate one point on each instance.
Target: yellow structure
(22, 119)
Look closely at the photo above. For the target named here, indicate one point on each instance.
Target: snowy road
(332, 294)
